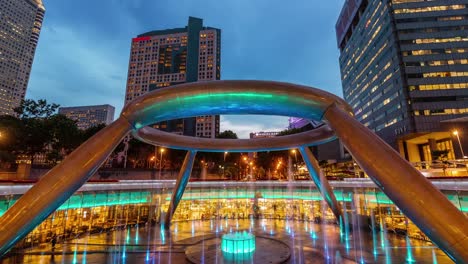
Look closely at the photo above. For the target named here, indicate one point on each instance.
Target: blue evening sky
(83, 52)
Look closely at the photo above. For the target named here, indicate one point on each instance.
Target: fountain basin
(238, 243)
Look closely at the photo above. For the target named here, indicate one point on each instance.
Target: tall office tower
(163, 58)
(20, 25)
(404, 70)
(90, 115)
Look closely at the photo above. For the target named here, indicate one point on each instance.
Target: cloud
(75, 71)
(83, 53)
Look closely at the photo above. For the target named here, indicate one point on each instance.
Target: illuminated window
(428, 9)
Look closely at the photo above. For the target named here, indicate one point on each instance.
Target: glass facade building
(20, 26)
(168, 57)
(404, 70)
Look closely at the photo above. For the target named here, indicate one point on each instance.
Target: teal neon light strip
(254, 95)
(67, 206)
(88, 200)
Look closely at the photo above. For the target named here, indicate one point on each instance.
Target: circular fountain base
(268, 250)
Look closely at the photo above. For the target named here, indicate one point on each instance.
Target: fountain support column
(57, 185)
(179, 188)
(320, 181)
(417, 198)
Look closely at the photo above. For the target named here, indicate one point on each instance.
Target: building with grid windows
(404, 69)
(89, 116)
(20, 26)
(168, 57)
(264, 134)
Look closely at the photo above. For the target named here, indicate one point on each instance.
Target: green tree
(140, 153)
(63, 139)
(64, 132)
(37, 129)
(37, 135)
(231, 171)
(91, 131)
(32, 109)
(11, 129)
(289, 131)
(227, 134)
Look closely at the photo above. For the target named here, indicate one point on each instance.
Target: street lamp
(294, 152)
(295, 160)
(250, 170)
(224, 164)
(459, 143)
(160, 161)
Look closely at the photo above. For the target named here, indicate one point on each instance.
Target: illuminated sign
(140, 39)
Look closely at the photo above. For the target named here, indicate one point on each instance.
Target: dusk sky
(83, 51)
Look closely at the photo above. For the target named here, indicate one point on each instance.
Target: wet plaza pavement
(308, 243)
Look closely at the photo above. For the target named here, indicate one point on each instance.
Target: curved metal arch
(426, 206)
(230, 97)
(313, 137)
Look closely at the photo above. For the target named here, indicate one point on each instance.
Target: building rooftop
(162, 32)
(39, 3)
(86, 106)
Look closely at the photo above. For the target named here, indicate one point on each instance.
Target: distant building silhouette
(89, 116)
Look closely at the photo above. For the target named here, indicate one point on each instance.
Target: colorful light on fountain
(238, 245)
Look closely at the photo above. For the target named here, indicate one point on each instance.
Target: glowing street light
(295, 159)
(160, 161)
(459, 143)
(224, 164)
(295, 155)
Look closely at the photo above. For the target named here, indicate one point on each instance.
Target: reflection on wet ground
(308, 243)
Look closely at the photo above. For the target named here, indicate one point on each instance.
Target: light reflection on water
(145, 244)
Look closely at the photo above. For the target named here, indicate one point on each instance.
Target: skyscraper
(404, 69)
(90, 115)
(20, 26)
(167, 57)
